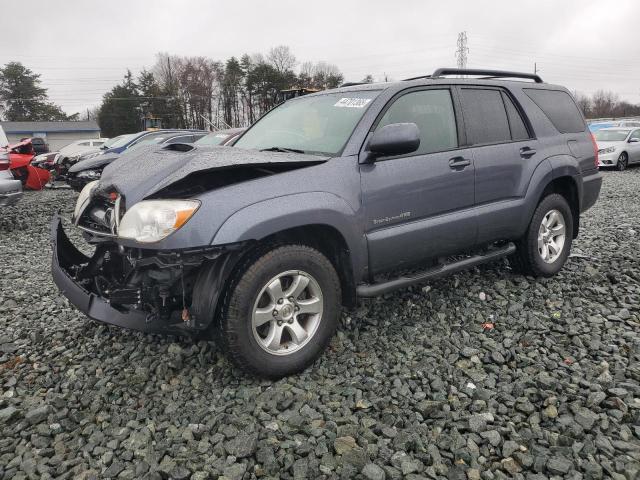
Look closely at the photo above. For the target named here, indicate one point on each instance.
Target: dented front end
(141, 289)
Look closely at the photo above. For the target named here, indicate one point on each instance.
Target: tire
(529, 259)
(248, 322)
(623, 162)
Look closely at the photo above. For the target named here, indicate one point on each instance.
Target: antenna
(463, 49)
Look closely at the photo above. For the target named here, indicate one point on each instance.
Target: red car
(20, 156)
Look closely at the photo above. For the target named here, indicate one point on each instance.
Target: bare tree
(584, 102)
(281, 58)
(604, 103)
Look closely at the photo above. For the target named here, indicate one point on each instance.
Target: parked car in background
(221, 137)
(594, 127)
(20, 157)
(39, 145)
(64, 162)
(629, 123)
(10, 188)
(618, 147)
(90, 169)
(82, 146)
(330, 197)
(45, 160)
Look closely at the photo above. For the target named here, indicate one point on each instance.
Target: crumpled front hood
(96, 162)
(136, 175)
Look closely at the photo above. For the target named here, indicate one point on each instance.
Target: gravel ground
(412, 386)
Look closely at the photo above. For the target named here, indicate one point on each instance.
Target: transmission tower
(461, 52)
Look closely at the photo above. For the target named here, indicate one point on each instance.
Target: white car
(618, 147)
(81, 146)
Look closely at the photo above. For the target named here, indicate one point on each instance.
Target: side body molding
(267, 217)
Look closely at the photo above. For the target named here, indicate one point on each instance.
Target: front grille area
(102, 216)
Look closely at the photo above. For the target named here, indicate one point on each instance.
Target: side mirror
(634, 140)
(393, 139)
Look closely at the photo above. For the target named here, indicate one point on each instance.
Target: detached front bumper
(67, 258)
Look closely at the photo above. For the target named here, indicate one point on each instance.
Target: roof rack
(351, 84)
(416, 78)
(440, 72)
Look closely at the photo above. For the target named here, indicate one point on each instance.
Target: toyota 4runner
(327, 198)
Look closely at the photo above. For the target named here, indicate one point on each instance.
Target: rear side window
(485, 116)
(559, 108)
(516, 124)
(432, 111)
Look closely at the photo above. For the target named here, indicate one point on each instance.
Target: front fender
(274, 215)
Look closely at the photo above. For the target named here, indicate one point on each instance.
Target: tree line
(198, 92)
(605, 104)
(23, 98)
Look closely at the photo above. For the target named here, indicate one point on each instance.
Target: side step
(385, 287)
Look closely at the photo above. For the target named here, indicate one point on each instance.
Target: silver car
(10, 188)
(618, 147)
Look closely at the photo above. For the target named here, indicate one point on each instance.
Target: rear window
(559, 108)
(485, 116)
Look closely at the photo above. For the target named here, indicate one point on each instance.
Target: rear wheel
(545, 246)
(281, 311)
(623, 161)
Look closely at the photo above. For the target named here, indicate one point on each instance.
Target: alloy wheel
(287, 312)
(551, 236)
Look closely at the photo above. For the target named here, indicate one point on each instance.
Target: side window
(559, 108)
(518, 128)
(432, 111)
(84, 144)
(485, 117)
(635, 134)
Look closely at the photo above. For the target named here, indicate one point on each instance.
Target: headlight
(152, 220)
(83, 200)
(91, 174)
(607, 150)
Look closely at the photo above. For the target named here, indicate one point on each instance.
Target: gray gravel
(411, 387)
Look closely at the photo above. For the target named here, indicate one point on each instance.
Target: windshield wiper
(282, 150)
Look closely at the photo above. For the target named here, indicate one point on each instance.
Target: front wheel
(281, 311)
(623, 161)
(545, 246)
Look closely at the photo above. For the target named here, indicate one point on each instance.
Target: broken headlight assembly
(83, 199)
(153, 220)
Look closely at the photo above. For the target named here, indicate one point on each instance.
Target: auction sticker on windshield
(352, 102)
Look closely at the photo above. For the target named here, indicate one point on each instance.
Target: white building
(56, 134)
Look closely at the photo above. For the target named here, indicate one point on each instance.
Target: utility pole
(463, 49)
(535, 68)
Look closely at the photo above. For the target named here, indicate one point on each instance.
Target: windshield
(150, 140)
(110, 142)
(611, 135)
(215, 138)
(319, 124)
(122, 140)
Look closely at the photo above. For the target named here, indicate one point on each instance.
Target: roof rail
(351, 84)
(440, 72)
(416, 78)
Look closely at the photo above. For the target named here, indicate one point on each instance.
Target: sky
(82, 48)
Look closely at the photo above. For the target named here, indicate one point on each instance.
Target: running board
(376, 289)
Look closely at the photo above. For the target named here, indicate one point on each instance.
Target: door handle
(526, 152)
(459, 163)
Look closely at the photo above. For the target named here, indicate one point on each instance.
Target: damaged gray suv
(327, 198)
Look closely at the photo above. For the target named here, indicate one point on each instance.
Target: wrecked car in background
(91, 169)
(31, 176)
(330, 197)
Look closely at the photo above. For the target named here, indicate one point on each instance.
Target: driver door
(420, 206)
(634, 147)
